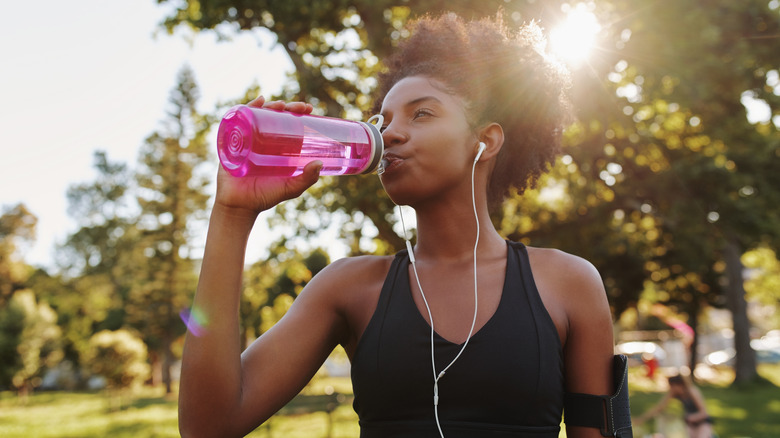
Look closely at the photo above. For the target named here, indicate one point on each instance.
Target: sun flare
(574, 38)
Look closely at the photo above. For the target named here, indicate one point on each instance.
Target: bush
(119, 357)
(29, 341)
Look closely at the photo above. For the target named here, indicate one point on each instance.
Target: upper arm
(575, 295)
(281, 361)
(589, 344)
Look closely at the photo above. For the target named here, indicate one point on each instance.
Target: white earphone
(410, 250)
(482, 147)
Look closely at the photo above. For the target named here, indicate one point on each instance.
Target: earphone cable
(438, 376)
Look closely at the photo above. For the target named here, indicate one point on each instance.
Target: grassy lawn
(752, 411)
(748, 412)
(147, 414)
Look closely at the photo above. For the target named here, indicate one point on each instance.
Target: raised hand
(253, 194)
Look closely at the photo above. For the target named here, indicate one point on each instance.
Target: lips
(390, 162)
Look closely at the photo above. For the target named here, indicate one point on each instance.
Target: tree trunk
(745, 366)
(167, 364)
(693, 321)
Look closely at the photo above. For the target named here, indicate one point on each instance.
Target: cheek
(451, 157)
(443, 145)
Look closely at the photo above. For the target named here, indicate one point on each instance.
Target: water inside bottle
(273, 143)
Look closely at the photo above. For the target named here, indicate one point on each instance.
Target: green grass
(147, 414)
(753, 411)
(66, 414)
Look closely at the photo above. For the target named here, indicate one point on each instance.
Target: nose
(392, 136)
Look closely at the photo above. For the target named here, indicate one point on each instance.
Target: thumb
(310, 175)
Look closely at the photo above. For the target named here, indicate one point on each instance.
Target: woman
(463, 103)
(697, 421)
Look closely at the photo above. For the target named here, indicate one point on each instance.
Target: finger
(258, 102)
(275, 105)
(299, 107)
(311, 172)
(310, 175)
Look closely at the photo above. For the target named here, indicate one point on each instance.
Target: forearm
(211, 379)
(696, 417)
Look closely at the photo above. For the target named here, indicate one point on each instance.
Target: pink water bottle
(262, 141)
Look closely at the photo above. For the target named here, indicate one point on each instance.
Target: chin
(399, 197)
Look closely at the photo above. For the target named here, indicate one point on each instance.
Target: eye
(421, 112)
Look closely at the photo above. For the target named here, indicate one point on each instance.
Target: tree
(335, 48)
(29, 341)
(663, 167)
(271, 285)
(763, 284)
(105, 212)
(17, 226)
(172, 198)
(709, 184)
(96, 260)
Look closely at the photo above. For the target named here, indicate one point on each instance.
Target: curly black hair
(504, 77)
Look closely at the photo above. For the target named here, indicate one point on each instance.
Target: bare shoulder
(352, 287)
(571, 289)
(342, 282)
(565, 275)
(562, 266)
(353, 272)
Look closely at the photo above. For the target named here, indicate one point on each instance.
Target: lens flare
(195, 321)
(574, 39)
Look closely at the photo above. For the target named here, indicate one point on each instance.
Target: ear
(493, 137)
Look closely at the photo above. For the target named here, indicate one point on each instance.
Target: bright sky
(96, 75)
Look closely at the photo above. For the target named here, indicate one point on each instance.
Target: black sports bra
(507, 383)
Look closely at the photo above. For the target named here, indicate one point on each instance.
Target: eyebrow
(422, 99)
(419, 100)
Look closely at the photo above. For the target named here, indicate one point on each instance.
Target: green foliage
(96, 260)
(129, 263)
(763, 284)
(17, 226)
(12, 319)
(661, 148)
(103, 210)
(271, 285)
(764, 280)
(662, 173)
(665, 172)
(29, 341)
(119, 356)
(336, 49)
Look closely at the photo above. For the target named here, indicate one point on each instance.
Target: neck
(447, 230)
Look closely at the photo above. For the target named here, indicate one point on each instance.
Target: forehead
(413, 88)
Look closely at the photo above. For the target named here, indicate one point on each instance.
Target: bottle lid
(377, 142)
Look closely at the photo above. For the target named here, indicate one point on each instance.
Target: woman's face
(429, 145)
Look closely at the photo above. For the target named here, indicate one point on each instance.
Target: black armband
(609, 413)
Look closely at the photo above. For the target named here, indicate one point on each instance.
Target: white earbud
(482, 147)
